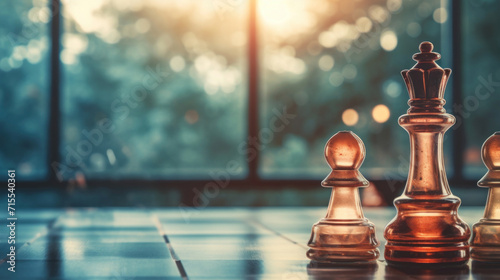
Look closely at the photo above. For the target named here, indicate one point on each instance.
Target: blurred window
(481, 80)
(150, 90)
(159, 89)
(24, 91)
(335, 65)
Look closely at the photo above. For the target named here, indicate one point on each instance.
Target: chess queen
(427, 228)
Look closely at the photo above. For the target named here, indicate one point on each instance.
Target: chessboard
(210, 243)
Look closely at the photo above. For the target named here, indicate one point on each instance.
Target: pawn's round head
(491, 152)
(426, 47)
(345, 151)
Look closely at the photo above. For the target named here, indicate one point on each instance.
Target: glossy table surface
(174, 243)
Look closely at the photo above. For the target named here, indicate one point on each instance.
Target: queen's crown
(426, 82)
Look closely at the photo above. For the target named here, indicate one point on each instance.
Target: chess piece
(344, 235)
(427, 228)
(485, 242)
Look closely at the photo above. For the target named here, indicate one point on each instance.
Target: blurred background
(230, 102)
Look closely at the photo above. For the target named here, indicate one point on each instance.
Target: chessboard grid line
(50, 226)
(170, 247)
(260, 224)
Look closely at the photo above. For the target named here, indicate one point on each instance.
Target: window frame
(388, 188)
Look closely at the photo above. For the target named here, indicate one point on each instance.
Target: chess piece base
(485, 244)
(411, 255)
(337, 241)
(426, 271)
(427, 231)
(339, 256)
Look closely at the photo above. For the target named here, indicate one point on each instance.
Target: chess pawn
(485, 241)
(427, 228)
(344, 235)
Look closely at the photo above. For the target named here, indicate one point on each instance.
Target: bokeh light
(326, 62)
(363, 24)
(350, 117)
(336, 79)
(394, 5)
(177, 63)
(381, 113)
(392, 88)
(388, 40)
(414, 29)
(349, 71)
(191, 116)
(440, 15)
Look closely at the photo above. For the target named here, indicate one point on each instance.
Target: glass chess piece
(344, 235)
(485, 241)
(427, 228)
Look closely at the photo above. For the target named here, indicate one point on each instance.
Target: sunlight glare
(275, 12)
(286, 18)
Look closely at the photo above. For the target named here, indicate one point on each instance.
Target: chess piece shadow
(344, 235)
(427, 229)
(428, 273)
(485, 241)
(347, 271)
